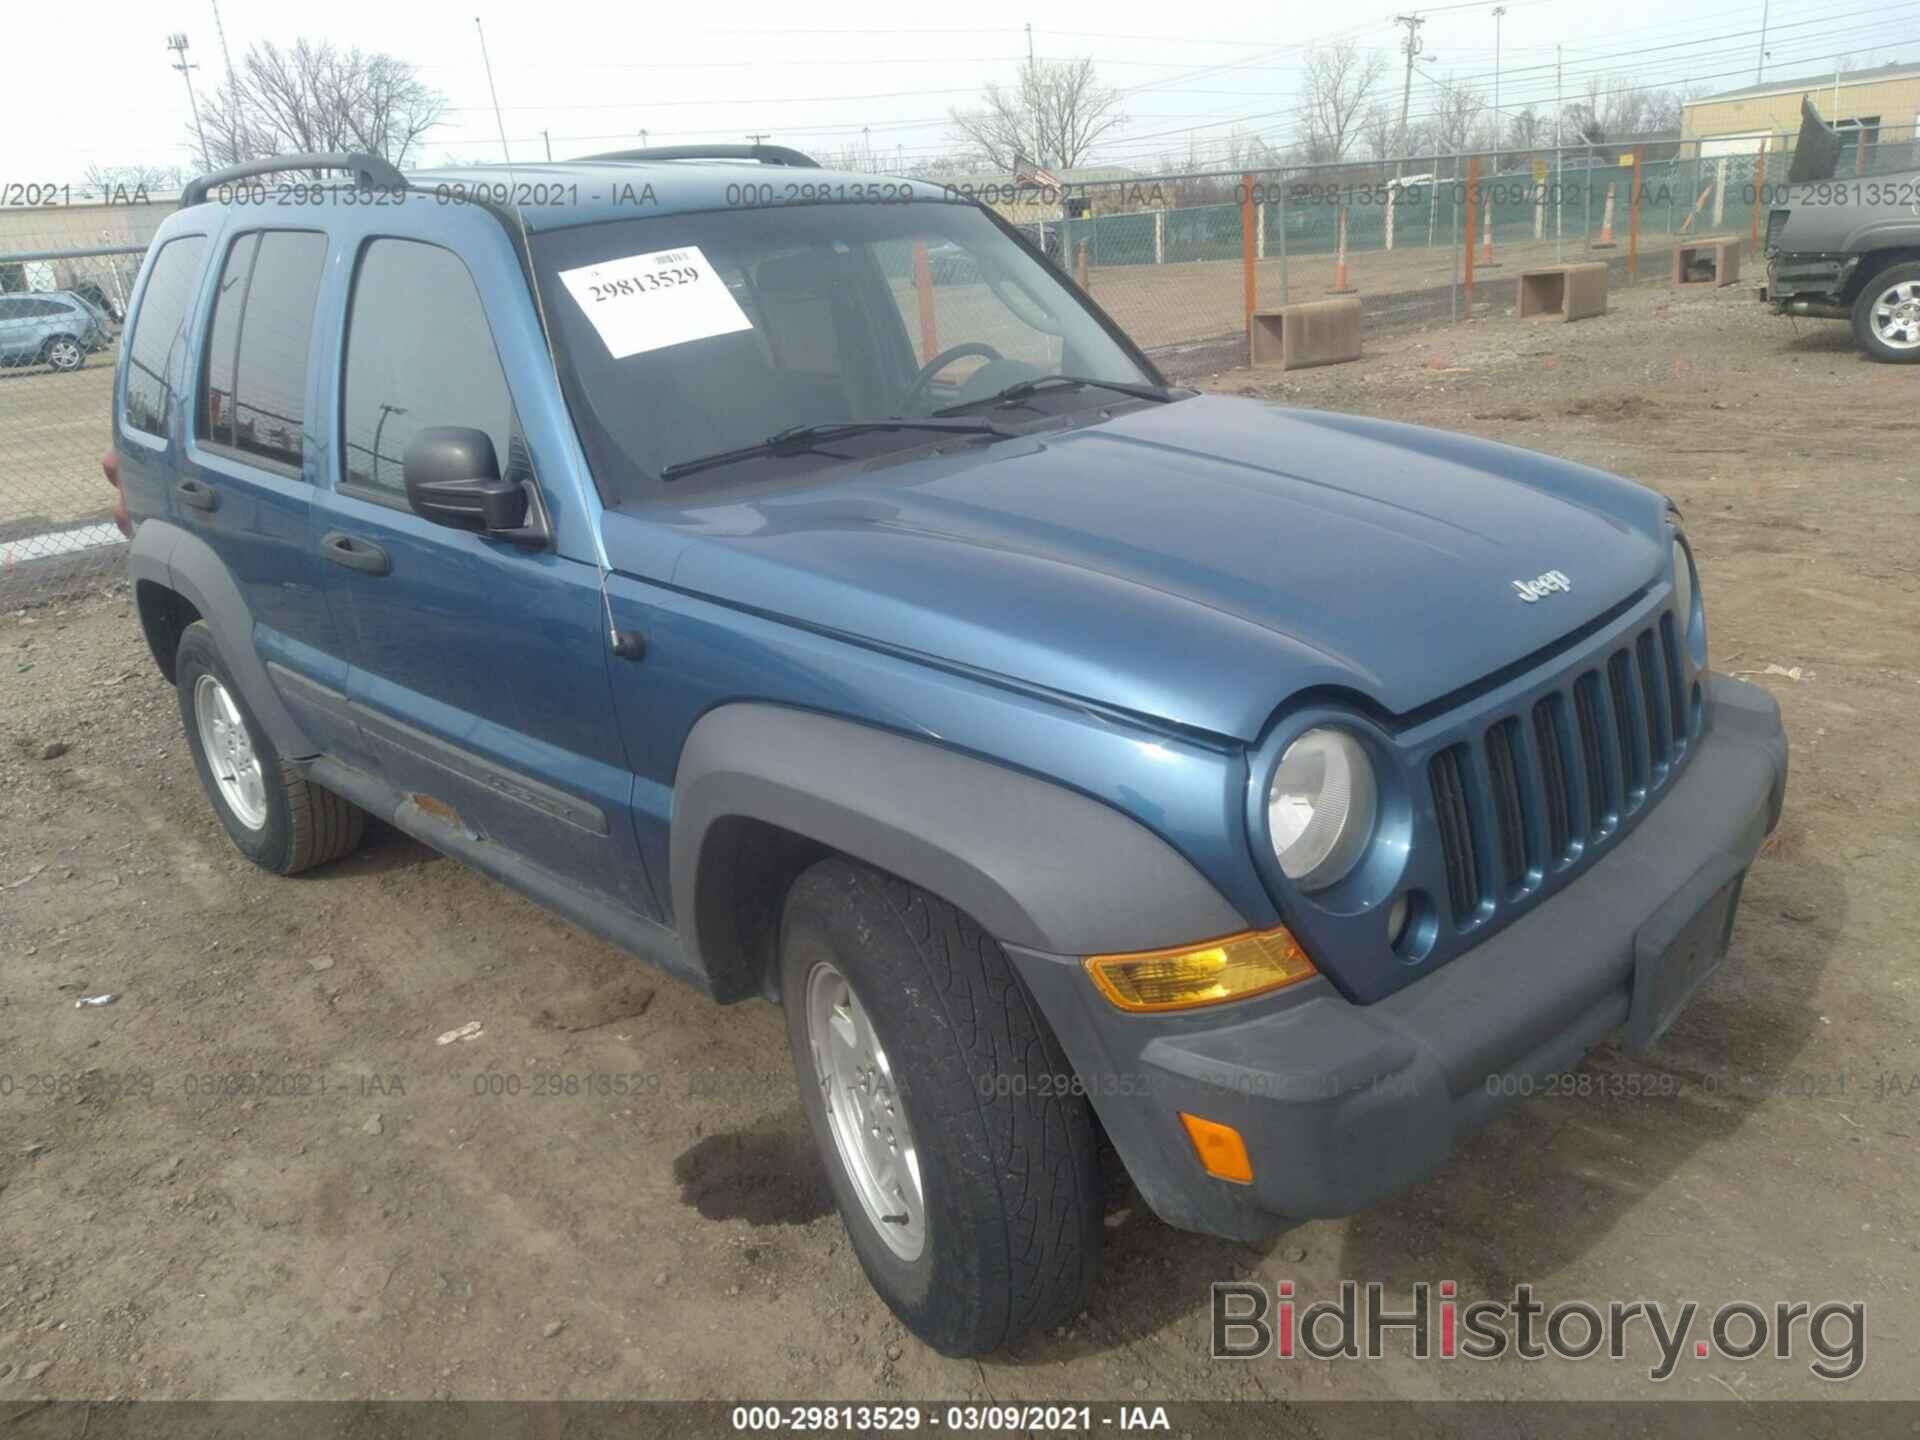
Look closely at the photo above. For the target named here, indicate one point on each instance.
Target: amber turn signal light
(1212, 973)
(1221, 1150)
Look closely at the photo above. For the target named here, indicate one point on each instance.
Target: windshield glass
(683, 337)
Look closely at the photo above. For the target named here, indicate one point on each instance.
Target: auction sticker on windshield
(647, 302)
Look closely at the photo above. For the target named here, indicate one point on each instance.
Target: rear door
(246, 481)
(479, 679)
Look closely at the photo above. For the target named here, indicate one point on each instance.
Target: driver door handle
(354, 553)
(197, 494)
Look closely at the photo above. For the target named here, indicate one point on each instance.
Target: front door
(479, 667)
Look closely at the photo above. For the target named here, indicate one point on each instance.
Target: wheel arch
(1880, 258)
(762, 791)
(171, 569)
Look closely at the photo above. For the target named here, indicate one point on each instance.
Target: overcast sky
(594, 75)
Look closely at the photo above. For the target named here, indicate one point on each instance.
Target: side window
(276, 326)
(157, 332)
(419, 353)
(213, 420)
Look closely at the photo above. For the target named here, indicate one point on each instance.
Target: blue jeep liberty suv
(1070, 755)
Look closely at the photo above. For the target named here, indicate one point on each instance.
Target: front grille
(1448, 774)
(1510, 816)
(1549, 740)
(1559, 776)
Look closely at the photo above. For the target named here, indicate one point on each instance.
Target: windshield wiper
(797, 439)
(1021, 389)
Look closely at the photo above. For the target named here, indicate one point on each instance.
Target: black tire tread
(1040, 1152)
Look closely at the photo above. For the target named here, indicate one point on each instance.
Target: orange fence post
(923, 283)
(1473, 220)
(1248, 288)
(1081, 273)
(1605, 242)
(1633, 219)
(1759, 197)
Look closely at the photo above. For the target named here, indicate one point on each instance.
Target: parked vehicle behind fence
(53, 328)
(666, 534)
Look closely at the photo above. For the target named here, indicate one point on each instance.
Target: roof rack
(371, 171)
(765, 154)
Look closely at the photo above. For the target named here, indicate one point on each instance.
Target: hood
(1816, 154)
(1197, 562)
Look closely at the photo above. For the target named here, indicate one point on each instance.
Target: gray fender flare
(181, 561)
(1034, 864)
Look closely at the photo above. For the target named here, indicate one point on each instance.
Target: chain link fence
(62, 313)
(1178, 260)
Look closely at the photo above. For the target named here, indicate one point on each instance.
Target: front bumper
(1340, 1104)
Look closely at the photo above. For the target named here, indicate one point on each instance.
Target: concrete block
(1714, 260)
(1573, 292)
(1314, 332)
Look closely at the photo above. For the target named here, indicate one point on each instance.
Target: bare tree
(1615, 109)
(1380, 131)
(315, 96)
(1458, 118)
(117, 180)
(1339, 79)
(1054, 117)
(1528, 130)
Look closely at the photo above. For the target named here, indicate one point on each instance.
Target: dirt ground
(256, 1174)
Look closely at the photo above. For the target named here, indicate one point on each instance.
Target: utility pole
(1760, 67)
(547, 140)
(1559, 159)
(758, 137)
(866, 144)
(643, 139)
(177, 43)
(1032, 87)
(1498, 11)
(1413, 47)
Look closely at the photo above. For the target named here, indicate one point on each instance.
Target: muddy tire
(1886, 316)
(274, 815)
(975, 1205)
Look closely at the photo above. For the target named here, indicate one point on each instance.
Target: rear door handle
(354, 553)
(199, 496)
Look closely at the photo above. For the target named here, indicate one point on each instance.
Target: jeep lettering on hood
(1195, 562)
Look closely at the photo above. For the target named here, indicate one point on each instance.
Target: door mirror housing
(453, 478)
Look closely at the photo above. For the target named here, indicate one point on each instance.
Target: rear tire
(273, 814)
(1886, 316)
(971, 1083)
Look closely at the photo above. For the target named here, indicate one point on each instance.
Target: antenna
(177, 42)
(495, 94)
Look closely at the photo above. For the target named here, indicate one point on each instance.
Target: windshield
(686, 337)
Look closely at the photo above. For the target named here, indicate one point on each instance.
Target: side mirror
(453, 478)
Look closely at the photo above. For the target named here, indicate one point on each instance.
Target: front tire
(273, 814)
(1886, 316)
(64, 354)
(962, 1159)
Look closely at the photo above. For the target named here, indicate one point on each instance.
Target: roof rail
(765, 154)
(371, 171)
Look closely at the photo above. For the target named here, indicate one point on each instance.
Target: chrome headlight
(1321, 807)
(1683, 585)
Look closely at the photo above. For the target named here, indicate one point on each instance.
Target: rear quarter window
(159, 329)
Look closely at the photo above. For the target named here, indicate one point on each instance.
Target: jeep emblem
(1552, 582)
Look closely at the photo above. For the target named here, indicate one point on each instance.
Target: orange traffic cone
(1486, 229)
(1605, 242)
(1340, 285)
